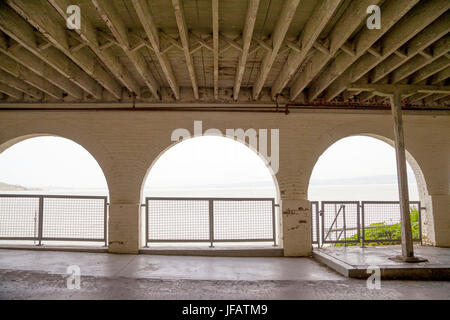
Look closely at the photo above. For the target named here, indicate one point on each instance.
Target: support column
(123, 231)
(296, 227)
(407, 241)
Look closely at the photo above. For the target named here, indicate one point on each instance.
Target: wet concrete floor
(28, 274)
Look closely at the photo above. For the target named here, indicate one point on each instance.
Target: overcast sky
(58, 162)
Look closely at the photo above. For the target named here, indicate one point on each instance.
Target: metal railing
(53, 218)
(381, 219)
(315, 222)
(169, 219)
(344, 222)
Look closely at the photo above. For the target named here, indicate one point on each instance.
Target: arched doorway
(53, 192)
(204, 179)
(354, 194)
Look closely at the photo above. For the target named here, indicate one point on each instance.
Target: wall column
(296, 227)
(123, 228)
(441, 219)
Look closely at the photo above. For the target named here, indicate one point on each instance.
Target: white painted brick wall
(126, 143)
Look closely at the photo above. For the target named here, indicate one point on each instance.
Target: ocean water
(351, 192)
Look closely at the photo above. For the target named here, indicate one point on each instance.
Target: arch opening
(357, 174)
(52, 192)
(236, 179)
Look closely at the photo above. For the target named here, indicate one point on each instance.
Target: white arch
(427, 214)
(211, 133)
(12, 142)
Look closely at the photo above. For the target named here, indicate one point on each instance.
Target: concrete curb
(388, 272)
(216, 252)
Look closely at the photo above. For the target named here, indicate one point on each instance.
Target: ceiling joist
(244, 52)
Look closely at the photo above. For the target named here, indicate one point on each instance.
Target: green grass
(385, 232)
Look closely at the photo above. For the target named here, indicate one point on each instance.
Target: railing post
(361, 227)
(345, 227)
(40, 219)
(146, 222)
(273, 224)
(419, 208)
(322, 214)
(211, 223)
(105, 223)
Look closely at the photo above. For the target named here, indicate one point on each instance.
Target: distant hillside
(11, 187)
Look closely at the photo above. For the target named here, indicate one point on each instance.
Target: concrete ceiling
(224, 51)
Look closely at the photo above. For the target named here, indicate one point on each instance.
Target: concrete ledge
(388, 272)
(56, 248)
(335, 264)
(215, 252)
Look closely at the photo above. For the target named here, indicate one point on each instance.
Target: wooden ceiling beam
(424, 39)
(404, 30)
(419, 62)
(111, 17)
(40, 83)
(27, 59)
(437, 79)
(393, 11)
(20, 85)
(405, 89)
(440, 48)
(431, 69)
(90, 36)
(18, 29)
(439, 66)
(143, 11)
(322, 13)
(10, 91)
(37, 13)
(247, 34)
(184, 37)
(284, 21)
(215, 23)
(24, 74)
(342, 31)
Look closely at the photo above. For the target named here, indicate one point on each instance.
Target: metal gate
(340, 220)
(169, 219)
(359, 222)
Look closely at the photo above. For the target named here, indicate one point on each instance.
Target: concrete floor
(28, 274)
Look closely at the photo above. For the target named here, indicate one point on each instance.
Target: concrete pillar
(123, 232)
(441, 216)
(296, 227)
(407, 242)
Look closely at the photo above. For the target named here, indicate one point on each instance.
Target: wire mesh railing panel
(19, 217)
(340, 221)
(381, 221)
(78, 219)
(246, 220)
(177, 220)
(314, 208)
